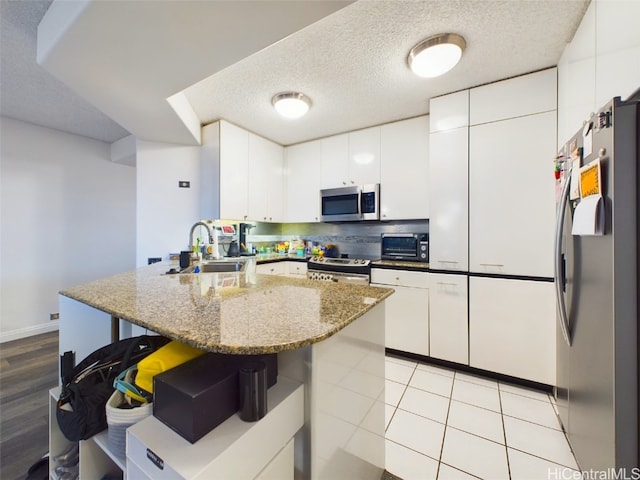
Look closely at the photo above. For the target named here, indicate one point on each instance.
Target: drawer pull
(447, 284)
(492, 264)
(447, 261)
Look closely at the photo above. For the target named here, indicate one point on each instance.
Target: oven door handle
(360, 202)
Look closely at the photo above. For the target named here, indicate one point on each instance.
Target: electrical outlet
(54, 316)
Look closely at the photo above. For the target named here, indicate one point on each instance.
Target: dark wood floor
(28, 369)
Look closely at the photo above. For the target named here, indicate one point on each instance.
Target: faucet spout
(193, 228)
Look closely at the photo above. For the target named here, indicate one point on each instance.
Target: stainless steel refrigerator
(597, 288)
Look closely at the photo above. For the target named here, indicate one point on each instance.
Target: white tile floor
(444, 424)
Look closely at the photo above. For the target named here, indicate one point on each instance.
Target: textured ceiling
(30, 93)
(352, 63)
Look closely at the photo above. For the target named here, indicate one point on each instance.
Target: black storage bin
(197, 396)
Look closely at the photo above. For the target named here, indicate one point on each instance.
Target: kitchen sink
(222, 266)
(212, 266)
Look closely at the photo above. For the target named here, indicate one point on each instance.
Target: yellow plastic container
(165, 358)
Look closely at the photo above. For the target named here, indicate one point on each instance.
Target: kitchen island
(329, 337)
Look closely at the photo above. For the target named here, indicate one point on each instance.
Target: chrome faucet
(193, 228)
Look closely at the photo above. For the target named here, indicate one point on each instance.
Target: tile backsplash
(356, 239)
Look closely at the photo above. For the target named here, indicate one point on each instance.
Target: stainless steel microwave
(413, 247)
(348, 204)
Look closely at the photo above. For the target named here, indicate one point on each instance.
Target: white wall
(601, 62)
(68, 217)
(165, 212)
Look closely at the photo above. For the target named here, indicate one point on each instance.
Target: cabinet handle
(344, 183)
(352, 182)
(264, 218)
(447, 261)
(447, 284)
(384, 215)
(492, 264)
(397, 278)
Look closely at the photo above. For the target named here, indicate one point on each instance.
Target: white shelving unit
(96, 459)
(218, 453)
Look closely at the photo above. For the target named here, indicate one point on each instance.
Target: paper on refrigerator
(588, 218)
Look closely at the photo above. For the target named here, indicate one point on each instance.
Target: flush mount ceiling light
(291, 104)
(436, 55)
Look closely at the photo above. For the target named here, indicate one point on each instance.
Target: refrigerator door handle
(559, 268)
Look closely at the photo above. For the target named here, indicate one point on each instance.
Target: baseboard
(29, 331)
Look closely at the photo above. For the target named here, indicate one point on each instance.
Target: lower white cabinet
(290, 269)
(448, 318)
(512, 328)
(274, 268)
(407, 310)
(296, 269)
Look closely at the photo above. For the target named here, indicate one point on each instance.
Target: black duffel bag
(87, 387)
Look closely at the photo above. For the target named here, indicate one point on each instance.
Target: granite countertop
(237, 313)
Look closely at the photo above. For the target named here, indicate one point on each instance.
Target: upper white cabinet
(404, 169)
(449, 111)
(512, 196)
(303, 185)
(532, 93)
(351, 159)
(334, 162)
(364, 156)
(266, 180)
(448, 200)
(234, 171)
(248, 174)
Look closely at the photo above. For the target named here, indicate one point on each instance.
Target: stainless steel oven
(347, 204)
(342, 270)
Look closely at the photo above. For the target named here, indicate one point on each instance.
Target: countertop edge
(230, 349)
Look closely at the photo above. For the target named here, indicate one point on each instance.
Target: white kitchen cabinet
(351, 159)
(449, 111)
(266, 180)
(448, 318)
(296, 269)
(273, 268)
(303, 184)
(617, 50)
(234, 172)
(512, 196)
(407, 310)
(334, 164)
(512, 328)
(449, 200)
(532, 93)
(404, 169)
(364, 156)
